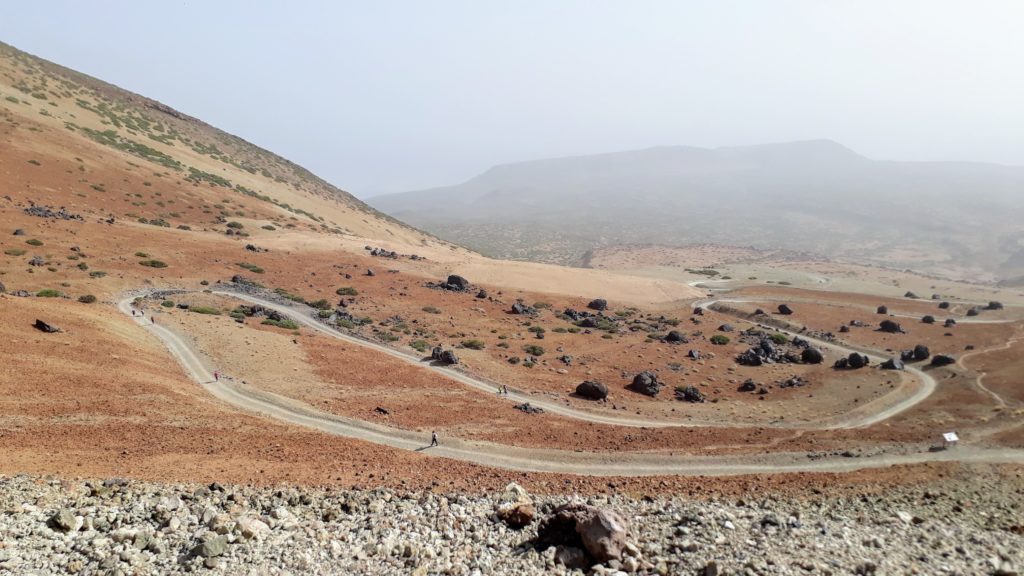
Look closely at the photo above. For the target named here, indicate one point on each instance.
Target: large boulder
(600, 532)
(676, 337)
(785, 309)
(443, 356)
(45, 327)
(646, 383)
(974, 311)
(943, 305)
(857, 361)
(592, 390)
(890, 327)
(993, 305)
(882, 310)
(942, 360)
(811, 356)
(949, 323)
(928, 319)
(523, 309)
(689, 394)
(921, 352)
(456, 283)
(599, 304)
(893, 364)
(750, 358)
(726, 328)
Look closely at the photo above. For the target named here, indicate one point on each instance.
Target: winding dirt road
(526, 459)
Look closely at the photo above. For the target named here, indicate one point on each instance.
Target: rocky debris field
(50, 526)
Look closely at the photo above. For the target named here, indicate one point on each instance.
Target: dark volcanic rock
(676, 337)
(599, 304)
(893, 364)
(694, 354)
(911, 295)
(592, 390)
(785, 309)
(370, 272)
(943, 305)
(482, 294)
(748, 385)
(844, 329)
(45, 327)
(750, 358)
(883, 310)
(689, 394)
(698, 311)
(993, 305)
(19, 232)
(812, 356)
(523, 309)
(942, 360)
(854, 361)
(527, 408)
(2, 288)
(726, 328)
(456, 283)
(890, 327)
(929, 319)
(443, 356)
(646, 383)
(974, 311)
(949, 323)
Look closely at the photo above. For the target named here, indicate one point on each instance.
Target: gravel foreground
(49, 526)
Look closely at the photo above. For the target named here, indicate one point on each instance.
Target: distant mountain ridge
(816, 196)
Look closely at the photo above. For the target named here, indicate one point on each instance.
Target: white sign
(950, 437)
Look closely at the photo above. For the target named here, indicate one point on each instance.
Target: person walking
(216, 376)
(433, 439)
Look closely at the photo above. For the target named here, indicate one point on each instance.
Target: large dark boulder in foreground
(646, 383)
(854, 361)
(599, 304)
(812, 356)
(689, 394)
(456, 283)
(599, 532)
(45, 327)
(785, 309)
(942, 360)
(592, 390)
(928, 319)
(676, 337)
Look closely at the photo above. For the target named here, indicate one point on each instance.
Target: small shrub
(268, 227)
(34, 242)
(536, 329)
(541, 305)
(347, 291)
(321, 304)
(779, 338)
(559, 330)
(502, 344)
(167, 303)
(204, 282)
(528, 364)
(251, 267)
(14, 252)
(235, 225)
(50, 293)
(324, 313)
(719, 340)
(431, 310)
(142, 255)
(573, 330)
(283, 323)
(83, 266)
(204, 310)
(345, 323)
(87, 299)
(473, 344)
(34, 162)
(533, 350)
(154, 263)
(389, 337)
(419, 345)
(97, 274)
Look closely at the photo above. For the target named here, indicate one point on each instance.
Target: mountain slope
(815, 196)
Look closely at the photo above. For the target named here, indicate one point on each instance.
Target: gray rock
(592, 390)
(211, 548)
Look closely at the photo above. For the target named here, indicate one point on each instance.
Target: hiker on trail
(433, 439)
(505, 388)
(152, 319)
(133, 312)
(216, 376)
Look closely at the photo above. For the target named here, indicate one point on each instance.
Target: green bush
(87, 299)
(50, 293)
(142, 255)
(283, 323)
(321, 304)
(502, 344)
(204, 282)
(345, 323)
(431, 310)
(473, 344)
(779, 338)
(268, 227)
(251, 267)
(97, 274)
(389, 337)
(533, 350)
(34, 242)
(14, 252)
(324, 313)
(154, 263)
(541, 305)
(83, 266)
(419, 345)
(719, 340)
(167, 303)
(204, 310)
(235, 225)
(347, 291)
(559, 330)
(536, 329)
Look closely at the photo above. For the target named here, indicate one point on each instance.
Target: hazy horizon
(399, 96)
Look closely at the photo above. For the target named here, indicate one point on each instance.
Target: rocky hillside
(115, 526)
(816, 196)
(50, 110)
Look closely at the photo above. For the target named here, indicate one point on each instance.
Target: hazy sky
(384, 96)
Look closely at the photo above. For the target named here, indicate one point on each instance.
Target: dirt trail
(540, 460)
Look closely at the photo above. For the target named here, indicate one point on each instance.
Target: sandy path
(537, 460)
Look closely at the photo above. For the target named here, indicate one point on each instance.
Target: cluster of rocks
(855, 361)
(529, 408)
(442, 356)
(255, 248)
(454, 283)
(689, 394)
(646, 383)
(764, 350)
(957, 526)
(521, 309)
(384, 253)
(47, 212)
